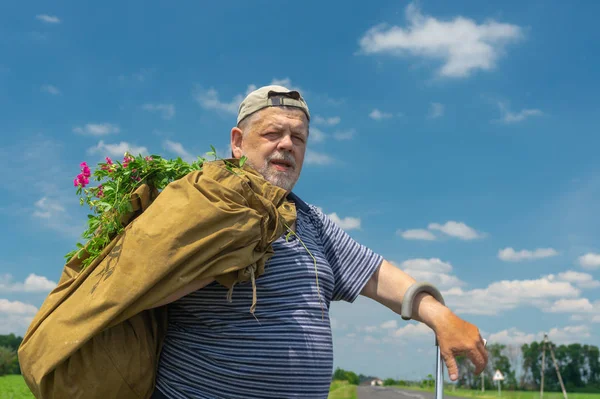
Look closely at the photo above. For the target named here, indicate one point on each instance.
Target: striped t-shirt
(217, 349)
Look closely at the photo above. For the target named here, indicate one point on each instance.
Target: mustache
(283, 156)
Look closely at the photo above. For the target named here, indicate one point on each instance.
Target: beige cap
(271, 96)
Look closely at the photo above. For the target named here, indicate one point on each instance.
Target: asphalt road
(368, 392)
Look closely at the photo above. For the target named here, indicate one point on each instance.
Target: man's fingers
(451, 365)
(478, 356)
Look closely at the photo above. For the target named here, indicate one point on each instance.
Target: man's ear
(236, 142)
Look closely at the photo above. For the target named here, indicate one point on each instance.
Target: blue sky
(456, 139)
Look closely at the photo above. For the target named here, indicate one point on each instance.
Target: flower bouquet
(111, 200)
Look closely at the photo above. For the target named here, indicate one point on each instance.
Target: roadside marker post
(498, 377)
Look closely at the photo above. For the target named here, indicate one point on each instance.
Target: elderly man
(216, 349)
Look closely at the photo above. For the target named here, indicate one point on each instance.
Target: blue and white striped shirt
(218, 349)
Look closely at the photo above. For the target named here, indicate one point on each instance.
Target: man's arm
(455, 336)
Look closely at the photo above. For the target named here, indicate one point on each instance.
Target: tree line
(521, 366)
(9, 363)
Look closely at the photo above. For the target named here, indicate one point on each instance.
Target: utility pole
(562, 385)
(558, 373)
(543, 366)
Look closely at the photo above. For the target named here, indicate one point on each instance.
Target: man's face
(274, 144)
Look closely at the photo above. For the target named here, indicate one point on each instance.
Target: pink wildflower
(148, 158)
(100, 193)
(126, 160)
(83, 180)
(109, 161)
(85, 170)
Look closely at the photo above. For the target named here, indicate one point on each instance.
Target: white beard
(286, 180)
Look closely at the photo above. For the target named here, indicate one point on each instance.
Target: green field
(14, 387)
(342, 390)
(493, 394)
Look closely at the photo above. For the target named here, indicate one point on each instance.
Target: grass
(14, 387)
(493, 394)
(342, 390)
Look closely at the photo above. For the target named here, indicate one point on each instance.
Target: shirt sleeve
(352, 263)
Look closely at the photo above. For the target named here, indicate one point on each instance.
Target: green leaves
(110, 201)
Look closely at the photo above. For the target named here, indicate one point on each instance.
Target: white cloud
(378, 115)
(456, 229)
(118, 149)
(16, 307)
(341, 135)
(95, 129)
(330, 121)
(433, 271)
(287, 83)
(317, 158)
(209, 99)
(347, 223)
(52, 214)
(46, 208)
(33, 283)
(15, 316)
(167, 110)
(370, 329)
(461, 44)
(512, 117)
(177, 149)
(583, 280)
(564, 335)
(436, 110)
(389, 324)
(581, 305)
(590, 261)
(510, 255)
(511, 336)
(569, 334)
(51, 19)
(50, 89)
(417, 234)
(317, 135)
(414, 331)
(508, 294)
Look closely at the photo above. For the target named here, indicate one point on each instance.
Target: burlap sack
(96, 336)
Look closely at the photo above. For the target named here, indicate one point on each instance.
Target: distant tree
(352, 378)
(8, 359)
(344, 375)
(10, 341)
(389, 381)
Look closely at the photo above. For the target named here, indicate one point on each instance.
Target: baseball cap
(271, 96)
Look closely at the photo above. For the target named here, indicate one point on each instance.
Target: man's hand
(455, 336)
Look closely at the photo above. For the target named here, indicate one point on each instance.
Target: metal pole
(439, 374)
(406, 313)
(482, 381)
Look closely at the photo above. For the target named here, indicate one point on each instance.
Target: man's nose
(286, 143)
